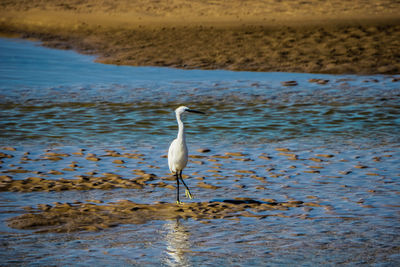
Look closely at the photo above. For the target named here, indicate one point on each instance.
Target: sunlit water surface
(53, 100)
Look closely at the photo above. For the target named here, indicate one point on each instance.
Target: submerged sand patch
(83, 182)
(296, 176)
(69, 217)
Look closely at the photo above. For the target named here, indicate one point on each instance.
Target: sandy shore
(295, 36)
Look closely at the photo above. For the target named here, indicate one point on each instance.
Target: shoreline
(345, 43)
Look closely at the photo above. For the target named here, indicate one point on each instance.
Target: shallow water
(343, 134)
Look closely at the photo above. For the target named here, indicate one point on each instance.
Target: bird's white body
(177, 155)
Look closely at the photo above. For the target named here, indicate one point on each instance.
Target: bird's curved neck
(181, 128)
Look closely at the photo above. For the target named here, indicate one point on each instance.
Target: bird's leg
(177, 188)
(187, 191)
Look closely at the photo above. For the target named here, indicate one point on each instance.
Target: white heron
(178, 152)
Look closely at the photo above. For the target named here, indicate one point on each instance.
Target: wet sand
(291, 36)
(337, 201)
(94, 215)
(66, 217)
(50, 171)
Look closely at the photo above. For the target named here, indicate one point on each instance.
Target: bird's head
(183, 109)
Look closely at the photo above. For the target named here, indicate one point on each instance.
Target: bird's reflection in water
(178, 244)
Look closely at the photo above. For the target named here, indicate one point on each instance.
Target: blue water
(53, 100)
(52, 95)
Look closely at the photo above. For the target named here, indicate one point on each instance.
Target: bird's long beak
(195, 111)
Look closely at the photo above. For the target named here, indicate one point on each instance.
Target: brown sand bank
(296, 36)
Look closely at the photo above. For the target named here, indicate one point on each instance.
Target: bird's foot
(179, 202)
(188, 194)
